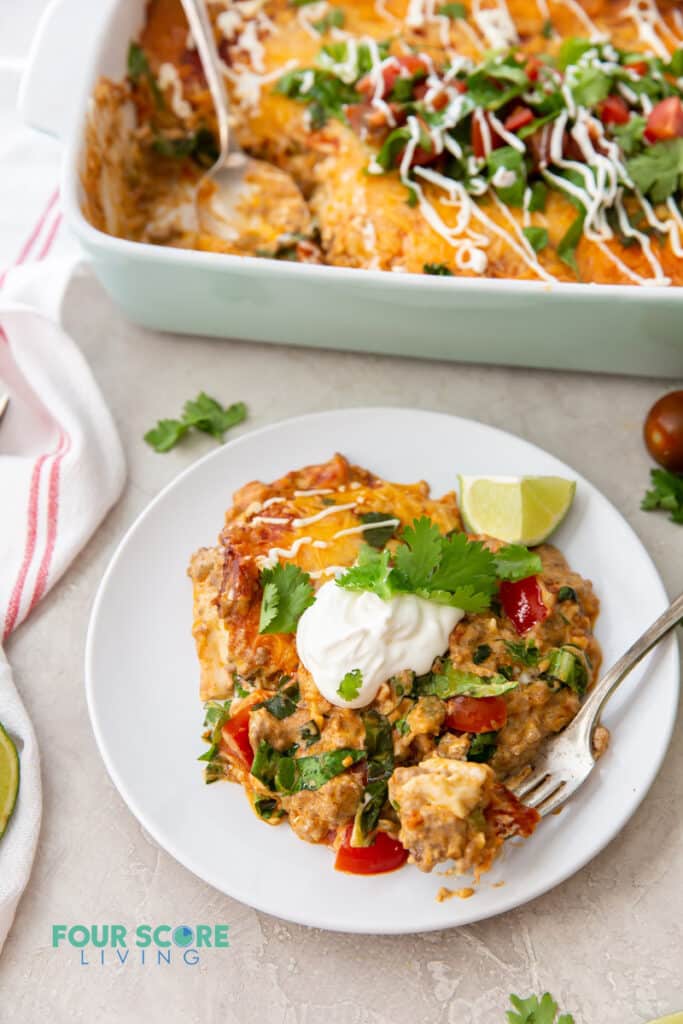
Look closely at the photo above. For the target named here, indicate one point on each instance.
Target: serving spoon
(239, 196)
(568, 759)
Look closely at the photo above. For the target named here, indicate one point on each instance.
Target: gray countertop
(607, 943)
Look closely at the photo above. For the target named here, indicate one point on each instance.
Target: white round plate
(142, 679)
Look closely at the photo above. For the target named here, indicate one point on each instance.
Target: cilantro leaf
(207, 414)
(666, 493)
(287, 593)
(419, 554)
(284, 703)
(482, 747)
(630, 135)
(437, 270)
(138, 68)
(287, 774)
(371, 572)
(447, 570)
(658, 171)
(527, 654)
(166, 434)
(466, 571)
(203, 413)
(539, 194)
(349, 688)
(515, 562)
(535, 1011)
(590, 85)
(536, 237)
(378, 537)
(200, 145)
(507, 159)
(571, 52)
(452, 682)
(566, 250)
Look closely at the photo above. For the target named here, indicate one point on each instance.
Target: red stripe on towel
(52, 521)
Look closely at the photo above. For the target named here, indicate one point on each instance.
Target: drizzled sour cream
(345, 630)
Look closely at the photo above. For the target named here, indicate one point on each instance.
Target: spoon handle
(202, 33)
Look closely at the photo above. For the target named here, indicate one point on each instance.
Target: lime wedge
(516, 509)
(673, 1018)
(9, 779)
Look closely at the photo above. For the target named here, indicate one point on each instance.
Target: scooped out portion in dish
(373, 675)
(500, 138)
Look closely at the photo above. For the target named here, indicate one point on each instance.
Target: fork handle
(202, 33)
(590, 710)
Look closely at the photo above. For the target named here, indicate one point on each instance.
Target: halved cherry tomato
(400, 67)
(235, 737)
(385, 854)
(518, 118)
(665, 121)
(613, 110)
(641, 67)
(477, 137)
(476, 714)
(523, 603)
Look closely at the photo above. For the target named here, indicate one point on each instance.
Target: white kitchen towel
(61, 462)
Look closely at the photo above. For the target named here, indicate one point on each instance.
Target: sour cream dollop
(345, 630)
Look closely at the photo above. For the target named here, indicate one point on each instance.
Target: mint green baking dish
(603, 328)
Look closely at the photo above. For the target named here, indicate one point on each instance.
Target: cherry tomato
(476, 714)
(400, 67)
(664, 431)
(477, 137)
(235, 737)
(665, 120)
(518, 118)
(385, 854)
(523, 603)
(614, 110)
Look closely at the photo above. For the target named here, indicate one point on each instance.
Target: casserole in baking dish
(543, 320)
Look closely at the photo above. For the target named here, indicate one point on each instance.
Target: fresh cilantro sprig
(450, 570)
(287, 593)
(666, 493)
(533, 1010)
(202, 413)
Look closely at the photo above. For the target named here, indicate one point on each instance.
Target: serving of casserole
(492, 182)
(373, 674)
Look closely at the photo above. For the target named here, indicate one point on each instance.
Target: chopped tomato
(533, 67)
(384, 854)
(518, 118)
(400, 67)
(508, 815)
(235, 737)
(641, 67)
(477, 137)
(665, 121)
(460, 85)
(523, 603)
(476, 714)
(614, 110)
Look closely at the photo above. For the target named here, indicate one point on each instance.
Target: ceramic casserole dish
(605, 328)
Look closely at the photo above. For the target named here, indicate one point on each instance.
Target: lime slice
(9, 778)
(516, 509)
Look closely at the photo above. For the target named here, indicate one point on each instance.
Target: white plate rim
(507, 902)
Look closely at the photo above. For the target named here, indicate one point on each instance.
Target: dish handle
(52, 83)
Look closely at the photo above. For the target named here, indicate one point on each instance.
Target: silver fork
(568, 759)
